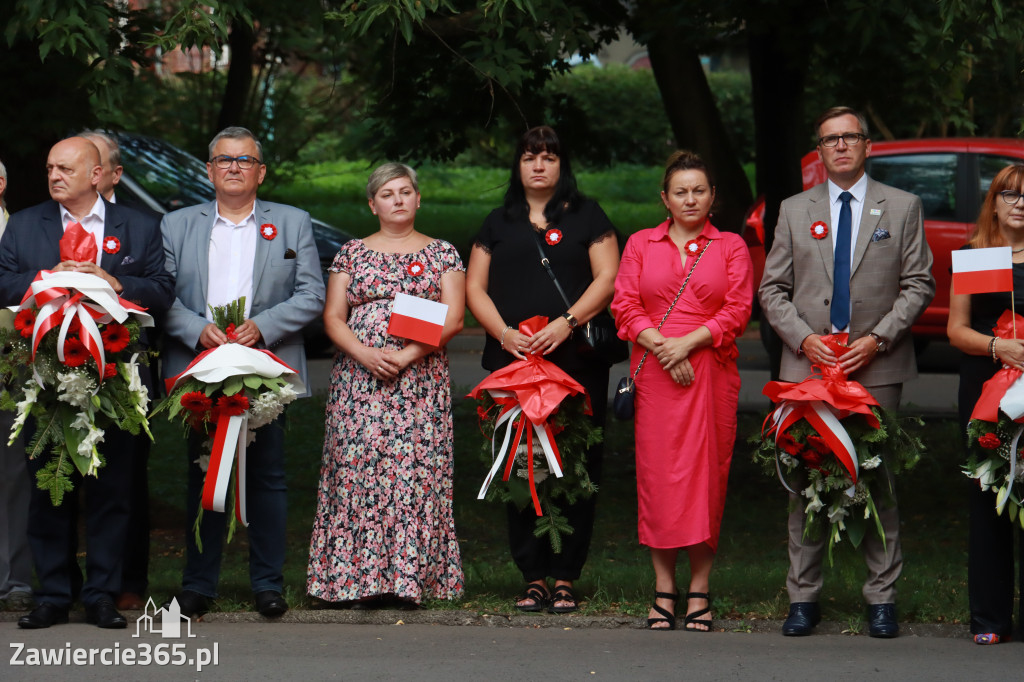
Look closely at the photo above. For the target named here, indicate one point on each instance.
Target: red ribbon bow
(78, 245)
(987, 407)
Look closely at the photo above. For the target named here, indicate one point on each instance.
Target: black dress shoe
(102, 614)
(803, 616)
(882, 621)
(43, 616)
(270, 604)
(190, 604)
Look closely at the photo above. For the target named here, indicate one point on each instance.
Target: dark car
(165, 178)
(951, 175)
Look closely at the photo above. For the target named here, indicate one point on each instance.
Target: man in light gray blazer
(239, 246)
(888, 265)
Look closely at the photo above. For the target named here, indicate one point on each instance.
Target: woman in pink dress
(688, 387)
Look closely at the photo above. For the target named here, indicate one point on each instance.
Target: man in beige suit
(874, 240)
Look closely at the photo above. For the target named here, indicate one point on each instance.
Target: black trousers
(990, 570)
(532, 554)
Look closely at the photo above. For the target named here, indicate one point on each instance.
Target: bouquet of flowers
(832, 433)
(542, 412)
(995, 458)
(226, 394)
(73, 365)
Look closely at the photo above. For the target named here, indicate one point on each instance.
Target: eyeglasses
(851, 139)
(244, 162)
(1010, 196)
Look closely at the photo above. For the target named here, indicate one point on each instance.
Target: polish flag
(417, 319)
(982, 271)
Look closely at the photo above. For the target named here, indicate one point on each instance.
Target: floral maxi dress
(384, 520)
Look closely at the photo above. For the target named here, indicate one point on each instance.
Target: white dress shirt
(232, 259)
(92, 222)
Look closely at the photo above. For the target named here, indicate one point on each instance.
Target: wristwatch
(879, 342)
(571, 320)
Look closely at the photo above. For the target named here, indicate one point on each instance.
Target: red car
(951, 175)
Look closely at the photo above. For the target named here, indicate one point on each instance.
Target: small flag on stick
(417, 319)
(982, 271)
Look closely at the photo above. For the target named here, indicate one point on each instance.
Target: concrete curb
(504, 620)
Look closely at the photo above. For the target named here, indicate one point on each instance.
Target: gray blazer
(288, 289)
(891, 282)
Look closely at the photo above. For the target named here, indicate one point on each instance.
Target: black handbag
(623, 403)
(599, 335)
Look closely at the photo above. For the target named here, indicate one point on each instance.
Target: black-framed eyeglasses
(851, 139)
(244, 162)
(1010, 196)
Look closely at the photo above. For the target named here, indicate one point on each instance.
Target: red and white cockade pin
(819, 230)
(692, 247)
(553, 236)
(111, 244)
(268, 231)
(416, 268)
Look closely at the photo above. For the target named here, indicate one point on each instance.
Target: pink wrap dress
(684, 434)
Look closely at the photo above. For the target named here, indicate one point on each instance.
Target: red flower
(692, 247)
(111, 244)
(990, 441)
(196, 402)
(818, 444)
(115, 337)
(553, 236)
(110, 370)
(230, 332)
(789, 444)
(268, 231)
(75, 353)
(819, 230)
(232, 405)
(416, 268)
(25, 322)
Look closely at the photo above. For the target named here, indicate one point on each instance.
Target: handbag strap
(547, 266)
(674, 301)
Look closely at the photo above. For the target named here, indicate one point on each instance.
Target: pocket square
(289, 253)
(880, 234)
(128, 260)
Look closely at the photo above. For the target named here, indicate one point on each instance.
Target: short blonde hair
(387, 172)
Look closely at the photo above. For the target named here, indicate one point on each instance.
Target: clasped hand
(89, 268)
(859, 353)
(546, 340)
(384, 363)
(246, 334)
(673, 354)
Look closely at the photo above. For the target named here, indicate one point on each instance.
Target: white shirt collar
(859, 190)
(97, 212)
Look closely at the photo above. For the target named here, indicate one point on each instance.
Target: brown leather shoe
(129, 601)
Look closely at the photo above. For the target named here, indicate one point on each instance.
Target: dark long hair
(566, 198)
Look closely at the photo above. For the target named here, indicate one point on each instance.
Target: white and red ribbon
(214, 366)
(63, 296)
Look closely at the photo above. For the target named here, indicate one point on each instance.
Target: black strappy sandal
(563, 593)
(694, 618)
(667, 616)
(538, 594)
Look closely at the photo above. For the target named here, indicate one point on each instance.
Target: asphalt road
(294, 651)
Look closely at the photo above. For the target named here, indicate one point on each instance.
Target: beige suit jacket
(891, 282)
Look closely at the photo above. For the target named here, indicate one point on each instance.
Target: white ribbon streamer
(505, 451)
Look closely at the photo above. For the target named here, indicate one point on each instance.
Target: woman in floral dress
(384, 530)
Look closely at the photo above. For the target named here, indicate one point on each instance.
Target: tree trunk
(696, 122)
(781, 139)
(241, 42)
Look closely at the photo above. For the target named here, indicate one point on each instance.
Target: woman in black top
(990, 575)
(506, 284)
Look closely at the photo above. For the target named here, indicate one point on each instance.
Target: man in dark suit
(866, 271)
(135, 573)
(218, 252)
(132, 264)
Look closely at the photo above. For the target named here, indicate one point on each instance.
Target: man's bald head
(73, 173)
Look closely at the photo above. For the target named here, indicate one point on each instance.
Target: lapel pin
(876, 211)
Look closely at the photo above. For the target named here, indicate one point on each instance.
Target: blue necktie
(841, 271)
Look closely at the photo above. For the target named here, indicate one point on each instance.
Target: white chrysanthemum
(75, 388)
(265, 409)
(287, 394)
(871, 463)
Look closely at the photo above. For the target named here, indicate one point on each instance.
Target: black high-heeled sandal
(667, 616)
(694, 618)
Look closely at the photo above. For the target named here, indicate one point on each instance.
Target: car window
(930, 176)
(173, 177)
(988, 167)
